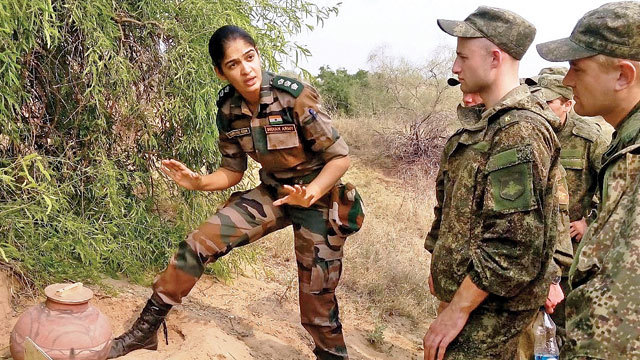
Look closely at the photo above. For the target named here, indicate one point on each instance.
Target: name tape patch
(279, 129)
(239, 132)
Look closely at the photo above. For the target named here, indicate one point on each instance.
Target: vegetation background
(96, 92)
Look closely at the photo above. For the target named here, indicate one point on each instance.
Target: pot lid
(73, 293)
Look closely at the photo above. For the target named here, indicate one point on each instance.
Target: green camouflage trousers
(246, 217)
(490, 334)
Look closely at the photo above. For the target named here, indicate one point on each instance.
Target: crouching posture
(277, 121)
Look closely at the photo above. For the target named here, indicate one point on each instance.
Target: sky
(407, 28)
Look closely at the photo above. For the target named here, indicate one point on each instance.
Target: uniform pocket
(281, 137)
(572, 159)
(346, 212)
(325, 276)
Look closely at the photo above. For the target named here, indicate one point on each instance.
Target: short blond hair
(608, 62)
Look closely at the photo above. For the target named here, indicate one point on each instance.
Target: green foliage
(94, 94)
(340, 89)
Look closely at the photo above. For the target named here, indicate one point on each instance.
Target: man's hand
(452, 319)
(304, 196)
(181, 174)
(442, 331)
(443, 305)
(577, 229)
(554, 298)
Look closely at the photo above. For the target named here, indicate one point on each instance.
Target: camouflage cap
(508, 30)
(552, 87)
(612, 29)
(556, 70)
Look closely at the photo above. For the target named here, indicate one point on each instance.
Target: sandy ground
(246, 319)
(256, 316)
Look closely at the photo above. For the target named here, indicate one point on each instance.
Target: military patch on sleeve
(224, 93)
(292, 86)
(511, 180)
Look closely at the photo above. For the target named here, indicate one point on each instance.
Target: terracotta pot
(66, 326)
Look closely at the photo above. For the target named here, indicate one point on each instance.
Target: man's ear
(626, 76)
(497, 57)
(219, 74)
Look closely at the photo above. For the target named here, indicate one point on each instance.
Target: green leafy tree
(94, 94)
(340, 88)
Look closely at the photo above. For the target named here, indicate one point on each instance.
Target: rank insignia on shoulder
(292, 86)
(224, 94)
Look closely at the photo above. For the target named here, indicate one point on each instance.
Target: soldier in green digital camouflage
(603, 308)
(496, 218)
(279, 122)
(583, 142)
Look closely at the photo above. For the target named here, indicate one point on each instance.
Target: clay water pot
(65, 326)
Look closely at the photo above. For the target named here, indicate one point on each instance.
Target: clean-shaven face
(593, 86)
(472, 64)
(241, 67)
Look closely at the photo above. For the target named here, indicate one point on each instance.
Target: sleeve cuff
(338, 149)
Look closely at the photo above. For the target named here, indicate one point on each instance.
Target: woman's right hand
(181, 174)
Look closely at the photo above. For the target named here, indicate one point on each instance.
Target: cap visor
(563, 50)
(453, 82)
(458, 29)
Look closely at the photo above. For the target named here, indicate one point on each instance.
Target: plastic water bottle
(545, 346)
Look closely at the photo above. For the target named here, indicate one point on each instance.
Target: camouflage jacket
(290, 136)
(496, 217)
(603, 309)
(583, 143)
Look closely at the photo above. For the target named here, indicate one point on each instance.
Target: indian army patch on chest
(279, 129)
(275, 120)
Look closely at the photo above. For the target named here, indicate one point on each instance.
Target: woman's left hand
(299, 195)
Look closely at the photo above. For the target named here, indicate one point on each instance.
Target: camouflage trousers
(490, 334)
(246, 217)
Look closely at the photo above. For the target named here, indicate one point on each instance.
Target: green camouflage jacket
(583, 143)
(603, 309)
(496, 217)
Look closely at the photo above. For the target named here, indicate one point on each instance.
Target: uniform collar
(626, 134)
(266, 95)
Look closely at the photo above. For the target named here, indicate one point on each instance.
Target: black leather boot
(144, 332)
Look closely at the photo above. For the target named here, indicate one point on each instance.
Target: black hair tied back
(221, 37)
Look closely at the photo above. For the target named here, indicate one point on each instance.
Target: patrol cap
(508, 30)
(613, 29)
(552, 87)
(554, 70)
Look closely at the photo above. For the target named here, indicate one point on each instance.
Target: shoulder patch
(224, 94)
(292, 86)
(586, 131)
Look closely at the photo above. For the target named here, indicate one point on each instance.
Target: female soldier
(279, 123)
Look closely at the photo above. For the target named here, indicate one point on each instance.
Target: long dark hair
(221, 37)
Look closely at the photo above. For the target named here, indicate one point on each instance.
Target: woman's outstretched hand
(181, 174)
(299, 195)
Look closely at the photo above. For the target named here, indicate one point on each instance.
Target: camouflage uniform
(603, 310)
(496, 220)
(292, 139)
(582, 143)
